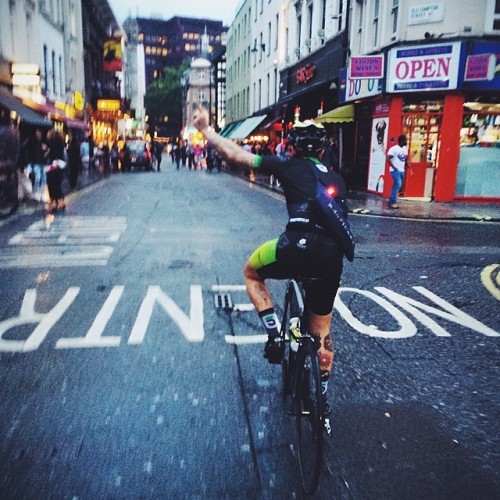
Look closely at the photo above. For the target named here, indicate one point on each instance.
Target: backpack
(331, 208)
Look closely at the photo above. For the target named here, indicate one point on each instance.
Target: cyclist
(304, 249)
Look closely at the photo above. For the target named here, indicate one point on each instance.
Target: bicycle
(8, 189)
(302, 383)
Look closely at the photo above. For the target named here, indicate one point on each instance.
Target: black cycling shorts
(303, 254)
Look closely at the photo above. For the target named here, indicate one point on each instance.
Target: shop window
(394, 17)
(493, 16)
(478, 169)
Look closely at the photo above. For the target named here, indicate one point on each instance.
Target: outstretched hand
(200, 118)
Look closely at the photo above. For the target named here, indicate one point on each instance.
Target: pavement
(361, 202)
(371, 204)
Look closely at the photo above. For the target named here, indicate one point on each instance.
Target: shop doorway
(422, 126)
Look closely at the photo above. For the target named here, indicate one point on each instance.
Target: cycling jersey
(299, 185)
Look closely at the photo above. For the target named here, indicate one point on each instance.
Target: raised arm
(226, 148)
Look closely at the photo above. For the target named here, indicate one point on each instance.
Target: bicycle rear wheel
(309, 415)
(8, 191)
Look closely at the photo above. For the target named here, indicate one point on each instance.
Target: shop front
(478, 172)
(309, 87)
(445, 99)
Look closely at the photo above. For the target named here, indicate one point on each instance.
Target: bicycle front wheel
(309, 415)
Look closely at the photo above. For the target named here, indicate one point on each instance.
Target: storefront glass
(479, 165)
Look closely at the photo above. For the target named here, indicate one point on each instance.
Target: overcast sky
(219, 10)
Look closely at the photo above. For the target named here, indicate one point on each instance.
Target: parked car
(137, 154)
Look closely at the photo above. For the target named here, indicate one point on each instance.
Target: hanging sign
(113, 55)
(480, 67)
(366, 67)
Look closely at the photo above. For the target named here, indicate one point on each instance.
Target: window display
(479, 166)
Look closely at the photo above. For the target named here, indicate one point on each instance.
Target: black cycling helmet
(307, 137)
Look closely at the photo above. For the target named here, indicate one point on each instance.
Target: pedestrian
(171, 152)
(158, 153)
(177, 155)
(115, 156)
(105, 157)
(55, 170)
(398, 161)
(210, 158)
(36, 149)
(183, 153)
(190, 153)
(74, 162)
(308, 247)
(85, 155)
(330, 156)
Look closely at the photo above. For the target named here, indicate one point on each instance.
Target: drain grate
(223, 301)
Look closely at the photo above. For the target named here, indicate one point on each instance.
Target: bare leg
(319, 327)
(257, 289)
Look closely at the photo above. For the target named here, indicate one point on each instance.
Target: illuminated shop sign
(25, 74)
(426, 67)
(366, 67)
(480, 67)
(108, 104)
(304, 74)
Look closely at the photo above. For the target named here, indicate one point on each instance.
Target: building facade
(284, 59)
(171, 42)
(156, 44)
(429, 71)
(434, 77)
(57, 72)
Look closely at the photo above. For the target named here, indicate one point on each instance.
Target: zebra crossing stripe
(63, 242)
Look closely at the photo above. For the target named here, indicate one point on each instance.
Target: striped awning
(338, 115)
(246, 128)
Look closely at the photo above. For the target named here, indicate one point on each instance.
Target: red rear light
(331, 191)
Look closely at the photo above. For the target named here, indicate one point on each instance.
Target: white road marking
(245, 339)
(229, 288)
(68, 241)
(490, 278)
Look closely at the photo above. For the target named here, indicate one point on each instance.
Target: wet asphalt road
(122, 379)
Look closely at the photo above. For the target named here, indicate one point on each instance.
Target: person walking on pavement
(330, 156)
(85, 155)
(398, 161)
(54, 170)
(74, 163)
(36, 149)
(190, 153)
(183, 153)
(158, 151)
(177, 155)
